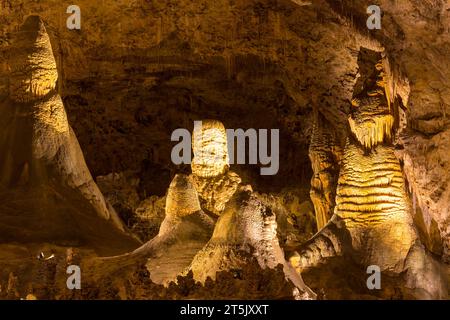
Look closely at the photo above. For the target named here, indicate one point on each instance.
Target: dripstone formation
(245, 232)
(87, 176)
(40, 153)
(372, 222)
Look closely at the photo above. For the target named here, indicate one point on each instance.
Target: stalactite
(372, 131)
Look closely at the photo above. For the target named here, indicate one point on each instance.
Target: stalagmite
(38, 146)
(182, 198)
(214, 182)
(245, 231)
(215, 192)
(372, 222)
(186, 227)
(323, 152)
(246, 228)
(33, 67)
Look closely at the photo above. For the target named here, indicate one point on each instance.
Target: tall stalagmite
(39, 149)
(183, 232)
(246, 231)
(372, 222)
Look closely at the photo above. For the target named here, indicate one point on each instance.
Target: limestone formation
(127, 82)
(183, 232)
(38, 146)
(372, 220)
(213, 181)
(371, 120)
(215, 192)
(33, 67)
(209, 143)
(323, 152)
(186, 227)
(246, 230)
(182, 198)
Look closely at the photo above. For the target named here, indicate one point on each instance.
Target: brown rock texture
(324, 152)
(246, 231)
(215, 192)
(41, 160)
(376, 159)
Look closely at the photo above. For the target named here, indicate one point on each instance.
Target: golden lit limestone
(211, 177)
(246, 230)
(183, 232)
(33, 67)
(372, 131)
(209, 143)
(371, 119)
(372, 202)
(182, 198)
(54, 146)
(322, 153)
(215, 192)
(372, 222)
(50, 127)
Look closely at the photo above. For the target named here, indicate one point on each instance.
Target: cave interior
(87, 175)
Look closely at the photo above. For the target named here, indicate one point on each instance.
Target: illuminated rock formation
(215, 192)
(322, 153)
(371, 200)
(182, 198)
(246, 230)
(209, 143)
(214, 182)
(186, 227)
(184, 231)
(371, 120)
(372, 221)
(38, 146)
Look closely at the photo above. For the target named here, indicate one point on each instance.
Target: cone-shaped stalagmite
(33, 67)
(40, 152)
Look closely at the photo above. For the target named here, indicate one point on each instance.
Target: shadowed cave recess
(87, 178)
